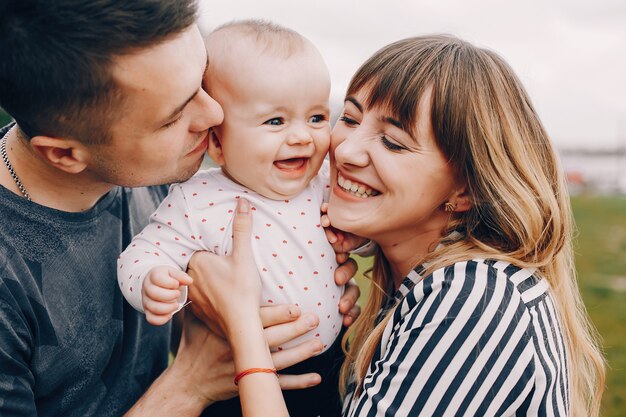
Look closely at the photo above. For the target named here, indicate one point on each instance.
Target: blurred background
(571, 57)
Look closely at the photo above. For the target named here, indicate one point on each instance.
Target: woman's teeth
(354, 188)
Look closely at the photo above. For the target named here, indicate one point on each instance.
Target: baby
(273, 86)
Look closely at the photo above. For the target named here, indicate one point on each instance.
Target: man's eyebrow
(355, 102)
(182, 106)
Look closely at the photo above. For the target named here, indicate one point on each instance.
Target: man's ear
(215, 148)
(68, 155)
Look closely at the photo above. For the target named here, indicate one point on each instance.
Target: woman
(440, 158)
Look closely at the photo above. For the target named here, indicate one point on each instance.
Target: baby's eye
(276, 121)
(318, 118)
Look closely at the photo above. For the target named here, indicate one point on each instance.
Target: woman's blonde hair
(487, 127)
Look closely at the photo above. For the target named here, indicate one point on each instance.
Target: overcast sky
(570, 54)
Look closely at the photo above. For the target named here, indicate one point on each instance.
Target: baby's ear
(215, 148)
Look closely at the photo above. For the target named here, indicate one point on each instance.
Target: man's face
(162, 134)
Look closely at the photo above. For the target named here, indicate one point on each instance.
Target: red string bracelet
(254, 371)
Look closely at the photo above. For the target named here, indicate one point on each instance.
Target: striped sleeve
(459, 344)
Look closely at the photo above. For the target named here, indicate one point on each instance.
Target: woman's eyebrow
(355, 102)
(399, 125)
(393, 121)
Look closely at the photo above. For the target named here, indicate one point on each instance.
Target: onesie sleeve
(16, 379)
(457, 345)
(170, 239)
(323, 180)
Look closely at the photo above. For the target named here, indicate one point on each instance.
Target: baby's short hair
(269, 36)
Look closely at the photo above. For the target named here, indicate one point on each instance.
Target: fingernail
(315, 379)
(317, 348)
(243, 206)
(294, 311)
(311, 321)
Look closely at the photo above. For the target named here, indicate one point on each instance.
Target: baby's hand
(342, 242)
(161, 293)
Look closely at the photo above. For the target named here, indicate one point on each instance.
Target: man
(104, 93)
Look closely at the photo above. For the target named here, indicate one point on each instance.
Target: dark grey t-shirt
(69, 343)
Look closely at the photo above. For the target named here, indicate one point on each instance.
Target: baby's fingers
(172, 279)
(158, 308)
(162, 294)
(181, 277)
(157, 319)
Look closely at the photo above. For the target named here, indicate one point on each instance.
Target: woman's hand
(230, 286)
(342, 243)
(205, 359)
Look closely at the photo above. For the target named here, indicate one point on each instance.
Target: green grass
(601, 264)
(4, 118)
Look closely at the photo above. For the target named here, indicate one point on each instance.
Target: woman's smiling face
(388, 184)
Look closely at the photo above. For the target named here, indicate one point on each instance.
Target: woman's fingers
(274, 315)
(345, 272)
(242, 229)
(351, 316)
(349, 297)
(281, 333)
(287, 357)
(289, 382)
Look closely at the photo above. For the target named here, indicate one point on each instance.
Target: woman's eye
(349, 121)
(276, 121)
(391, 145)
(318, 118)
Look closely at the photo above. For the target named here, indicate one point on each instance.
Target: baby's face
(276, 131)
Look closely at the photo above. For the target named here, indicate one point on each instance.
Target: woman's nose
(351, 150)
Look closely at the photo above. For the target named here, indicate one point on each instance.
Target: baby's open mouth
(291, 164)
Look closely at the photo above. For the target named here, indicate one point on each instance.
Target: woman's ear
(68, 155)
(215, 148)
(462, 200)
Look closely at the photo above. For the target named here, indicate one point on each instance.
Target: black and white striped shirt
(478, 338)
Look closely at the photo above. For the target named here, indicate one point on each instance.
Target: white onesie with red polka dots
(295, 261)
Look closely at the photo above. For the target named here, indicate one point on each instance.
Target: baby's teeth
(340, 180)
(347, 184)
(361, 190)
(354, 187)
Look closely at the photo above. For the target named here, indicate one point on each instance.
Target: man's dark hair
(56, 58)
